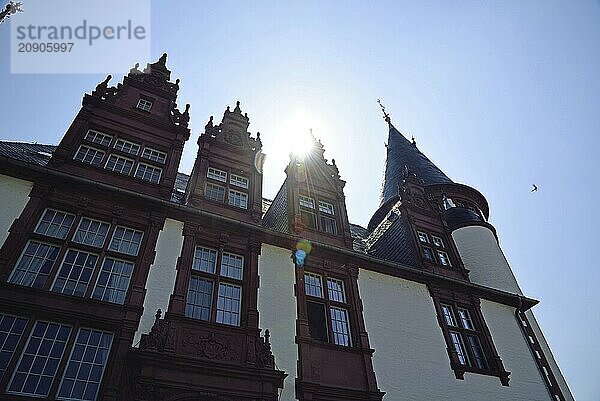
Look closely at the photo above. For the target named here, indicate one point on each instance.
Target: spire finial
(413, 141)
(386, 116)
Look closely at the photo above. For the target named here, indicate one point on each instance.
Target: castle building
(123, 279)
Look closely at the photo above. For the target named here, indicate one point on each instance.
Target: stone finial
(135, 69)
(237, 107)
(163, 59)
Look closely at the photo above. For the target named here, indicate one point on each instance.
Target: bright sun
(298, 139)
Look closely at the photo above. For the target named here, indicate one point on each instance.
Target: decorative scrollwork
(160, 337)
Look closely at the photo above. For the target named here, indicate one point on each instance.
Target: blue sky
(499, 95)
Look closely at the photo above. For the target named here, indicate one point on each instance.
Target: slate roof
(392, 240)
(33, 153)
(276, 217)
(400, 153)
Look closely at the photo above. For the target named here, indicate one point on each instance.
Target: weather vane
(10, 9)
(386, 116)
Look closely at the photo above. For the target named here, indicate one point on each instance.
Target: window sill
(460, 370)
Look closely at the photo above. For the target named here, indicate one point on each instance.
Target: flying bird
(534, 188)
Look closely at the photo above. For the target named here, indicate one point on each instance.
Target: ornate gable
(227, 173)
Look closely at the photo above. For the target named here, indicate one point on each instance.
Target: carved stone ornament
(211, 346)
(160, 337)
(233, 139)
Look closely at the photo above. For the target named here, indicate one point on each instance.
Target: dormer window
(217, 174)
(144, 104)
(423, 237)
(307, 211)
(318, 219)
(238, 199)
(443, 258)
(230, 191)
(437, 241)
(325, 207)
(433, 248)
(306, 202)
(238, 181)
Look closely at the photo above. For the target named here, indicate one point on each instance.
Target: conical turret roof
(401, 155)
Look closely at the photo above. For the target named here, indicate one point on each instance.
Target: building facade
(123, 279)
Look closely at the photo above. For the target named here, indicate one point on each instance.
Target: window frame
(67, 244)
(91, 135)
(61, 361)
(91, 163)
(455, 301)
(330, 304)
(121, 147)
(217, 278)
(312, 208)
(218, 176)
(434, 243)
(146, 106)
(147, 166)
(156, 156)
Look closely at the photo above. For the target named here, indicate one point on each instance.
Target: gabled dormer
(311, 202)
(227, 174)
(130, 135)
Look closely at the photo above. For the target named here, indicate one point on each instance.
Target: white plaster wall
(411, 361)
(481, 254)
(161, 279)
(14, 194)
(277, 311)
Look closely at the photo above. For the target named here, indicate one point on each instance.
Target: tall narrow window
(469, 347)
(215, 287)
(11, 329)
(228, 304)
(199, 299)
(307, 212)
(75, 273)
(84, 371)
(326, 311)
(113, 281)
(39, 362)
